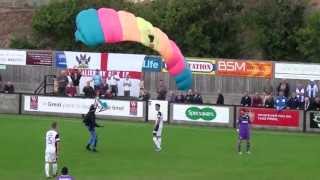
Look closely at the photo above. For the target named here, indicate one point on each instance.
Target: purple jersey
(65, 177)
(244, 127)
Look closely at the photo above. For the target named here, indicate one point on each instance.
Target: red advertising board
(43, 58)
(272, 117)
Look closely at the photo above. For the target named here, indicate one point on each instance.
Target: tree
(308, 38)
(276, 23)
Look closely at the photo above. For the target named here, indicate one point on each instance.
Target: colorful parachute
(105, 25)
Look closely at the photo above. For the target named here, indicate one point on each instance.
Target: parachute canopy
(105, 25)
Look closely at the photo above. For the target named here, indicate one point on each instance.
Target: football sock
(47, 169)
(248, 146)
(155, 142)
(159, 142)
(239, 146)
(54, 168)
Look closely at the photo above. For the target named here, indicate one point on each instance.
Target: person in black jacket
(293, 102)
(246, 100)
(75, 77)
(90, 122)
(220, 99)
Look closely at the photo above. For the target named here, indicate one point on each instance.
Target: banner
(237, 68)
(43, 58)
(199, 66)
(272, 117)
(315, 120)
(201, 113)
(152, 64)
(81, 106)
(297, 71)
(152, 113)
(13, 57)
(81, 60)
(3, 67)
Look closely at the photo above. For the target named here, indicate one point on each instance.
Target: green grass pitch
(126, 152)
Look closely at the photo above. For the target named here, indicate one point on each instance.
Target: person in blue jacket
(281, 101)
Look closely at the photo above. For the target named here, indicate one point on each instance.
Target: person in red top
(71, 90)
(257, 100)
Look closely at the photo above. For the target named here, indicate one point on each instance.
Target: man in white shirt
(157, 130)
(52, 149)
(126, 87)
(114, 84)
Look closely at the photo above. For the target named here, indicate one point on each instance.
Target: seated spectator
(144, 95)
(8, 88)
(171, 98)
(189, 97)
(104, 89)
(269, 102)
(316, 104)
(312, 90)
(300, 93)
(64, 174)
(246, 100)
(220, 99)
(71, 90)
(293, 102)
(284, 87)
(88, 91)
(307, 103)
(197, 98)
(281, 101)
(179, 98)
(256, 100)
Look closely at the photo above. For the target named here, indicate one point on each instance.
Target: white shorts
(51, 157)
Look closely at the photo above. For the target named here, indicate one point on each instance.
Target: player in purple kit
(244, 130)
(65, 176)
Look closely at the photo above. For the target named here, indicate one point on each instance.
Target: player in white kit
(157, 131)
(51, 153)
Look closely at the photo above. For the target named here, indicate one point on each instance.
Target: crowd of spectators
(191, 97)
(303, 97)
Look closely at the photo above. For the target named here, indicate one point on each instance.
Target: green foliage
(276, 23)
(273, 29)
(308, 38)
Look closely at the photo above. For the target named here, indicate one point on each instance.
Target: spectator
(197, 98)
(307, 106)
(97, 80)
(220, 99)
(8, 88)
(281, 101)
(104, 89)
(189, 97)
(141, 84)
(126, 87)
(316, 104)
(62, 80)
(256, 100)
(284, 87)
(300, 93)
(114, 84)
(268, 88)
(172, 97)
(88, 91)
(179, 98)
(71, 90)
(269, 102)
(293, 102)
(312, 90)
(75, 77)
(162, 91)
(246, 100)
(64, 174)
(144, 95)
